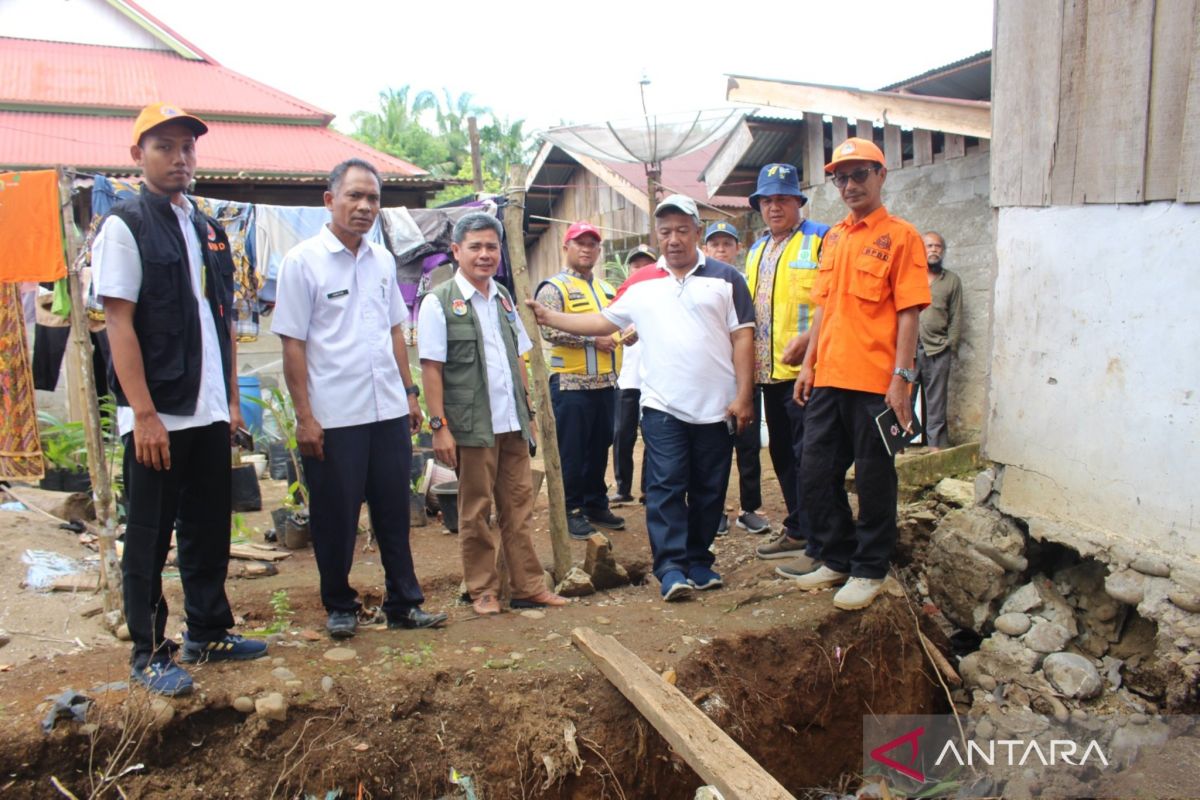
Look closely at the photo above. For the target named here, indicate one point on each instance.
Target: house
(937, 153)
(74, 75)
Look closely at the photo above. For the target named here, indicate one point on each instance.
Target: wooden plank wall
(1096, 101)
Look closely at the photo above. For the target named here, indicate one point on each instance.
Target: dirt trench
(792, 695)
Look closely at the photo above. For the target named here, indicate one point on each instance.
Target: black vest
(167, 317)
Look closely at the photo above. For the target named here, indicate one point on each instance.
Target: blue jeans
(687, 468)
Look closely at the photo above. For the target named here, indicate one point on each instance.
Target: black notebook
(895, 438)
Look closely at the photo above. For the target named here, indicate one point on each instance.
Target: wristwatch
(436, 423)
(909, 375)
(414, 390)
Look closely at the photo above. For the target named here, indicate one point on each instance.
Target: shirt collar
(467, 289)
(577, 274)
(662, 265)
(869, 221)
(334, 245)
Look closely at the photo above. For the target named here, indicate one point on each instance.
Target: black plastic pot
(297, 496)
(278, 460)
(296, 531)
(66, 480)
(447, 497)
(416, 511)
(244, 489)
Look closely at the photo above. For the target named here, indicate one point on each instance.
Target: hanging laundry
(280, 228)
(238, 220)
(31, 246)
(20, 448)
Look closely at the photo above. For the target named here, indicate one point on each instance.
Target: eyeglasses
(860, 175)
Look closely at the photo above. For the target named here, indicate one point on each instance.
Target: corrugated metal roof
(229, 148)
(680, 175)
(969, 78)
(58, 74)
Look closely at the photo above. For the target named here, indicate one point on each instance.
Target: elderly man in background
(941, 331)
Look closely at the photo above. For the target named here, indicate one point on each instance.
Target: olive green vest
(464, 375)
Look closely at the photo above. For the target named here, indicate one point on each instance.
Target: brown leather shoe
(543, 598)
(486, 604)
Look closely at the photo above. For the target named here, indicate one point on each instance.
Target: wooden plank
(1170, 67)
(864, 129)
(1189, 161)
(707, 749)
(814, 150)
(922, 147)
(893, 152)
(968, 117)
(1024, 101)
(717, 171)
(253, 552)
(841, 130)
(954, 146)
(1072, 80)
(1110, 166)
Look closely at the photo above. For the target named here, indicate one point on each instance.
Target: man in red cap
(165, 274)
(871, 286)
(583, 382)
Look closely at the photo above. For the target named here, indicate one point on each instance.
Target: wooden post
(653, 172)
(83, 386)
(476, 164)
(539, 382)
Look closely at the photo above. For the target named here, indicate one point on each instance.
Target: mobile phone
(532, 448)
(731, 425)
(243, 439)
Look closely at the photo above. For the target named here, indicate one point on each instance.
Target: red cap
(578, 229)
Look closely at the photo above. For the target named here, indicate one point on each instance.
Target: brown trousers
(501, 472)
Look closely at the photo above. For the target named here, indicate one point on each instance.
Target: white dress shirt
(343, 306)
(117, 271)
(431, 345)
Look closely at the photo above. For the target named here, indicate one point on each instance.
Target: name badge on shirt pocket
(341, 293)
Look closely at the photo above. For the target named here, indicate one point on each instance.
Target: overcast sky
(575, 62)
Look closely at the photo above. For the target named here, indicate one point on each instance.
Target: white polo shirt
(343, 306)
(117, 272)
(431, 346)
(683, 328)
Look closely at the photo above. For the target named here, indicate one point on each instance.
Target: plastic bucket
(249, 386)
(447, 497)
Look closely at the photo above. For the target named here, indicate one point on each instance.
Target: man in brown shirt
(941, 330)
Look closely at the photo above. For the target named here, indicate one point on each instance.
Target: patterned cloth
(20, 449)
(763, 292)
(238, 221)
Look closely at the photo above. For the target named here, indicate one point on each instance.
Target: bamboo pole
(539, 383)
(83, 386)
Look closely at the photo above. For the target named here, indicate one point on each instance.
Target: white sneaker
(857, 593)
(821, 578)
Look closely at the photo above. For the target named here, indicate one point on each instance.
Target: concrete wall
(1095, 378)
(950, 197)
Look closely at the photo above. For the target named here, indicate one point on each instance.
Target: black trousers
(193, 498)
(585, 432)
(747, 446)
(840, 430)
(785, 427)
(371, 461)
(624, 438)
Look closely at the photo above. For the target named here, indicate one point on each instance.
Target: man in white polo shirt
(695, 324)
(340, 315)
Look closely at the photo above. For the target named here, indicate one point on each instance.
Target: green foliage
(64, 444)
(282, 609)
(280, 406)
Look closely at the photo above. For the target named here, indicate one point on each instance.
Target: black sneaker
(578, 527)
(342, 624)
(415, 617)
(605, 519)
(618, 499)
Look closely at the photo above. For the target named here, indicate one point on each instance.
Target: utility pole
(476, 163)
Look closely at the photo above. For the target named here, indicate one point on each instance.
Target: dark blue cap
(720, 227)
(778, 179)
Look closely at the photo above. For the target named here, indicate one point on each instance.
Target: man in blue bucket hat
(780, 270)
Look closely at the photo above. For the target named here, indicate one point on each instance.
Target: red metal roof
(681, 175)
(229, 148)
(59, 74)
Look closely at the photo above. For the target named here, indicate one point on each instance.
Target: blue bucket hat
(778, 179)
(720, 227)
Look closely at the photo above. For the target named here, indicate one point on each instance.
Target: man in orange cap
(165, 274)
(871, 286)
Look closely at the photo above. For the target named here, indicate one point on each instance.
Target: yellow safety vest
(795, 273)
(581, 297)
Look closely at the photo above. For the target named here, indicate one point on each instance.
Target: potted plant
(291, 519)
(64, 445)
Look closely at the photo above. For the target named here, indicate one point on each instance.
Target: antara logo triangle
(912, 739)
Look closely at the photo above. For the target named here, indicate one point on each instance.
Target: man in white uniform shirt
(340, 315)
(164, 273)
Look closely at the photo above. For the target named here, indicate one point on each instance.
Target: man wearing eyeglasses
(583, 383)
(871, 286)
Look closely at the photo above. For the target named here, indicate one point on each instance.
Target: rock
(162, 711)
(1127, 586)
(1005, 658)
(984, 729)
(1022, 601)
(477, 649)
(1072, 675)
(88, 729)
(986, 682)
(533, 614)
(1152, 566)
(341, 654)
(283, 674)
(985, 483)
(1128, 740)
(1188, 601)
(295, 684)
(273, 707)
(1112, 671)
(113, 619)
(603, 621)
(708, 793)
(1046, 637)
(576, 583)
(243, 704)
(1013, 623)
(956, 492)
(326, 684)
(5, 637)
(498, 663)
(973, 557)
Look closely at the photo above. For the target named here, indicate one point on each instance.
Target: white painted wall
(77, 21)
(1095, 374)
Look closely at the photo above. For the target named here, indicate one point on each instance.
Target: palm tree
(396, 128)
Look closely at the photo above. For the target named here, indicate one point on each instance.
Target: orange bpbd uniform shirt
(869, 271)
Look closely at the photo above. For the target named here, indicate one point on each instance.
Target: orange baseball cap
(855, 149)
(159, 113)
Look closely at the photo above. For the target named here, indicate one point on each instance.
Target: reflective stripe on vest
(582, 297)
(794, 276)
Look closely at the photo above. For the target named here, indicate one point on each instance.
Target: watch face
(435, 423)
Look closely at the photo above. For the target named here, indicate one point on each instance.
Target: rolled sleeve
(116, 262)
(293, 300)
(431, 330)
